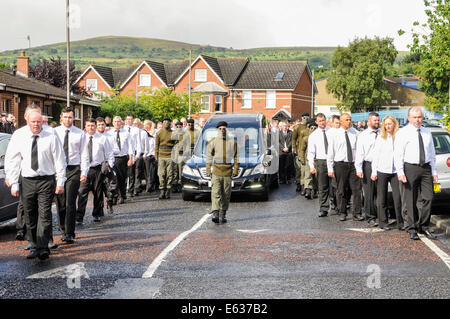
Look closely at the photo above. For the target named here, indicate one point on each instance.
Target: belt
(40, 178)
(342, 162)
(164, 147)
(96, 167)
(424, 165)
(72, 166)
(318, 160)
(121, 156)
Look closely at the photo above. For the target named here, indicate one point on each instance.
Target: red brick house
(17, 91)
(276, 89)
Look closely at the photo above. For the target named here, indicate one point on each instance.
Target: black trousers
(151, 173)
(139, 173)
(37, 198)
(131, 177)
(382, 199)
(346, 177)
(324, 184)
(20, 220)
(284, 165)
(419, 196)
(369, 191)
(109, 188)
(66, 203)
(120, 167)
(94, 184)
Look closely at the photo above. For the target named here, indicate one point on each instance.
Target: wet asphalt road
(275, 249)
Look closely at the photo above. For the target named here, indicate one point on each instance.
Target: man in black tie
(415, 162)
(35, 156)
(99, 151)
(340, 162)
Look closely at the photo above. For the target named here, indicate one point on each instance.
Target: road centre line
(445, 258)
(158, 260)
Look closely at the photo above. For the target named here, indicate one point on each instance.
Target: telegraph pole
(190, 68)
(68, 51)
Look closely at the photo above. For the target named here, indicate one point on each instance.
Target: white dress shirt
(51, 157)
(337, 146)
(101, 150)
(143, 142)
(151, 146)
(125, 143)
(364, 147)
(406, 148)
(383, 156)
(78, 152)
(316, 146)
(135, 138)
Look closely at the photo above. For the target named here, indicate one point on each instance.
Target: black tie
(326, 141)
(66, 146)
(118, 140)
(34, 154)
(421, 149)
(349, 148)
(90, 149)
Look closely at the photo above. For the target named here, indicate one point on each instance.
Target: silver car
(441, 139)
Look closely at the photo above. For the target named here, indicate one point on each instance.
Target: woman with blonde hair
(383, 171)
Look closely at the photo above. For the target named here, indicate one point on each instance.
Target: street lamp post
(68, 52)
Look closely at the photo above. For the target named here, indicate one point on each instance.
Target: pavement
(441, 222)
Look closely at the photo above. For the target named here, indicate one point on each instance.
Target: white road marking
(251, 231)
(366, 230)
(62, 272)
(158, 260)
(445, 258)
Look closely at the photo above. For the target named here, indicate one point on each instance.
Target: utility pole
(68, 51)
(312, 94)
(29, 41)
(190, 68)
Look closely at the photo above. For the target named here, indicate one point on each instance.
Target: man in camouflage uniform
(177, 164)
(191, 135)
(220, 153)
(296, 140)
(164, 144)
(308, 178)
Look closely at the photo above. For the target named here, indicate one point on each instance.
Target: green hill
(126, 51)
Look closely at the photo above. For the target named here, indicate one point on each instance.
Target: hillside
(126, 51)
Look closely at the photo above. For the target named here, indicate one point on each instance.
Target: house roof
(106, 73)
(32, 86)
(209, 87)
(261, 75)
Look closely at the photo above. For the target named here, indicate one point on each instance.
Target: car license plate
(437, 188)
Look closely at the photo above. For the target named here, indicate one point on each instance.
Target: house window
(205, 104)
(271, 100)
(7, 107)
(394, 101)
(200, 75)
(144, 80)
(218, 107)
(246, 99)
(38, 103)
(91, 84)
(48, 110)
(77, 113)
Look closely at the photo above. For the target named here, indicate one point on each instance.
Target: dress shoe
(68, 239)
(52, 245)
(372, 223)
(222, 217)
(162, 194)
(281, 182)
(167, 192)
(358, 218)
(97, 219)
(121, 201)
(131, 194)
(43, 255)
(429, 234)
(323, 214)
(414, 236)
(303, 192)
(79, 222)
(28, 246)
(110, 210)
(215, 216)
(315, 194)
(343, 218)
(33, 254)
(299, 188)
(20, 236)
(308, 194)
(386, 228)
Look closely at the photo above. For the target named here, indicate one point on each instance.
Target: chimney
(23, 63)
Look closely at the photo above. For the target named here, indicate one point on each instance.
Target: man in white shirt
(100, 151)
(123, 151)
(415, 163)
(150, 161)
(140, 161)
(317, 161)
(36, 158)
(136, 145)
(363, 164)
(341, 164)
(75, 149)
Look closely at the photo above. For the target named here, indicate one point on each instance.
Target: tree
(359, 69)
(3, 66)
(431, 41)
(54, 72)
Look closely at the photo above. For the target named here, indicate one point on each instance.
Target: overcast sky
(229, 23)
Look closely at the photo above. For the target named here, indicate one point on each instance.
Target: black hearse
(258, 162)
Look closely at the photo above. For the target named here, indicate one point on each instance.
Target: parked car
(256, 172)
(8, 203)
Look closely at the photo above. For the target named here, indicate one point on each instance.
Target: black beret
(167, 119)
(305, 114)
(179, 123)
(191, 121)
(221, 123)
(312, 123)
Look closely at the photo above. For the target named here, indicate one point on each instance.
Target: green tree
(3, 66)
(358, 72)
(431, 41)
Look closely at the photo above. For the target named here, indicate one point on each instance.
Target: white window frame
(148, 80)
(91, 87)
(203, 104)
(76, 113)
(271, 103)
(220, 102)
(200, 75)
(244, 99)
